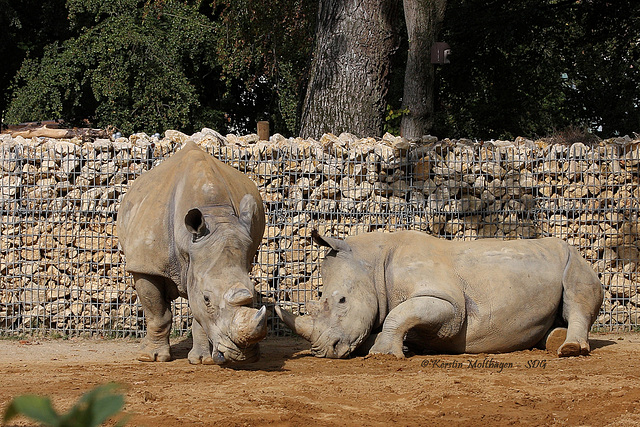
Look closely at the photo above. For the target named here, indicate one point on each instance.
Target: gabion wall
(61, 270)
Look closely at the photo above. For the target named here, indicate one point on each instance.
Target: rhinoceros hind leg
(152, 294)
(200, 352)
(429, 313)
(582, 296)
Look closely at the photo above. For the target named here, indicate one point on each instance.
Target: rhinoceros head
(345, 315)
(219, 289)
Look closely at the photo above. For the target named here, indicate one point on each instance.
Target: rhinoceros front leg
(200, 352)
(426, 312)
(151, 291)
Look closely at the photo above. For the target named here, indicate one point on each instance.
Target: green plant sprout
(92, 409)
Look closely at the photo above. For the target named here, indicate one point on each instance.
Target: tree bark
(349, 75)
(423, 18)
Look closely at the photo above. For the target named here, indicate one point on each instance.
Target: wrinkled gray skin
(190, 227)
(430, 294)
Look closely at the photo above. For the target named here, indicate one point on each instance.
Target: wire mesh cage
(61, 270)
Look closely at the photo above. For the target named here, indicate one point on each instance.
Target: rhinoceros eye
(206, 299)
(342, 300)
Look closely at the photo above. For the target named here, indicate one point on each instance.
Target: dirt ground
(290, 387)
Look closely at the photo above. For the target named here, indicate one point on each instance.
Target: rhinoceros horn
(238, 295)
(249, 326)
(301, 325)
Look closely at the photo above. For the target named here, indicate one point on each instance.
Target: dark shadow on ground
(274, 352)
(180, 349)
(596, 343)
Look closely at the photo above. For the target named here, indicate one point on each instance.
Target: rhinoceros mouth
(335, 351)
(234, 354)
(333, 346)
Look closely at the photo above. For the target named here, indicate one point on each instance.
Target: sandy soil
(289, 387)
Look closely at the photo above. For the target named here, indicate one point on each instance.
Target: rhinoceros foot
(555, 339)
(396, 354)
(571, 348)
(200, 356)
(557, 342)
(384, 345)
(150, 353)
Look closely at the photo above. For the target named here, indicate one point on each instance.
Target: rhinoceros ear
(195, 223)
(248, 208)
(335, 244)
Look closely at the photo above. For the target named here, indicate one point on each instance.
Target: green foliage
(51, 83)
(393, 119)
(288, 91)
(92, 409)
(129, 67)
(525, 67)
(160, 64)
(530, 67)
(603, 74)
(264, 49)
(27, 27)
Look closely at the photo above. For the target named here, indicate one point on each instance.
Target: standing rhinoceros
(190, 227)
(449, 296)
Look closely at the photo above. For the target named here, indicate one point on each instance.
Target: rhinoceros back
(151, 227)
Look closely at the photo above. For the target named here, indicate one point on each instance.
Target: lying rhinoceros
(449, 296)
(190, 227)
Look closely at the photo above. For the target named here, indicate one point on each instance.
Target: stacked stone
(60, 267)
(59, 260)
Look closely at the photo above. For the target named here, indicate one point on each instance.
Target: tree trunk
(423, 18)
(349, 74)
